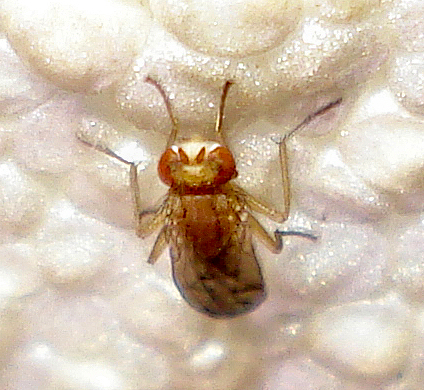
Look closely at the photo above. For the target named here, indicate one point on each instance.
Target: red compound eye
(227, 169)
(164, 166)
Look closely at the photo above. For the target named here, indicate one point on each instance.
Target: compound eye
(164, 167)
(227, 165)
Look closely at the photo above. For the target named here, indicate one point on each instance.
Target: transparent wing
(227, 284)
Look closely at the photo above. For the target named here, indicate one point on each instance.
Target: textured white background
(79, 306)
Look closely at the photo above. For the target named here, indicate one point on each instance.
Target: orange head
(196, 166)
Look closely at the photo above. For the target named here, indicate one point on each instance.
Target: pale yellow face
(197, 165)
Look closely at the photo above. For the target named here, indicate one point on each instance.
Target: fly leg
(146, 221)
(284, 163)
(252, 202)
(310, 117)
(160, 245)
(274, 244)
(260, 207)
(256, 205)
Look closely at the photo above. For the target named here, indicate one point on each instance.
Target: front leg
(146, 221)
(258, 206)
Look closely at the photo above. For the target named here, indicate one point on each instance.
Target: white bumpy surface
(79, 306)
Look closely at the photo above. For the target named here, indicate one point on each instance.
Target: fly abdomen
(223, 286)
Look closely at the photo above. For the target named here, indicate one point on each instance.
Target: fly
(207, 221)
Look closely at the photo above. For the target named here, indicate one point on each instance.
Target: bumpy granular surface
(80, 307)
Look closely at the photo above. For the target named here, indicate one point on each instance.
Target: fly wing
(225, 285)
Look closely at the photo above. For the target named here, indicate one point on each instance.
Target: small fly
(207, 219)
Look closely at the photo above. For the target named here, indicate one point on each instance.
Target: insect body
(208, 229)
(207, 221)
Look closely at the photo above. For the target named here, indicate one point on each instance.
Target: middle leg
(274, 244)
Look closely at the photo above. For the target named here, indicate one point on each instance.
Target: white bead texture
(80, 308)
